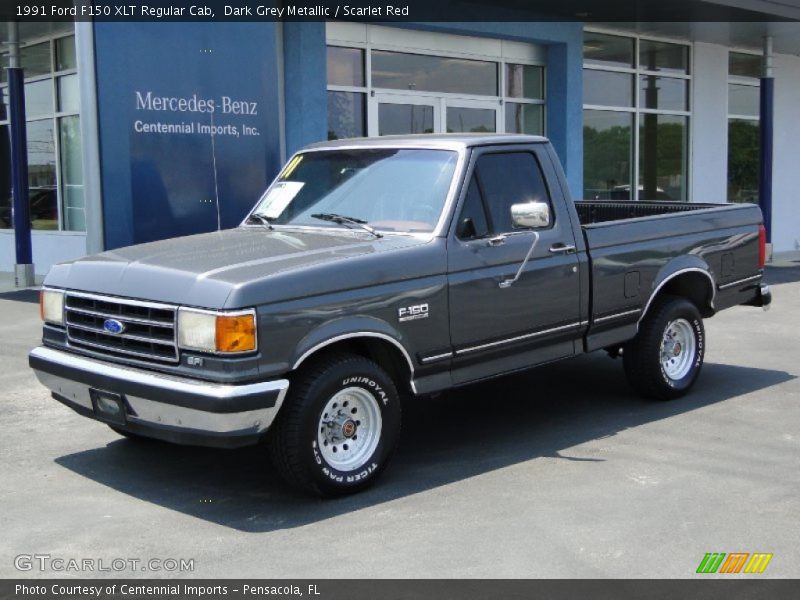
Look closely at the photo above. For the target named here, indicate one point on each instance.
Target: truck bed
(631, 244)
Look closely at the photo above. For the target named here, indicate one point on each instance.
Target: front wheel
(665, 358)
(338, 427)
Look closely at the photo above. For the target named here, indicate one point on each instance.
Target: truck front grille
(147, 329)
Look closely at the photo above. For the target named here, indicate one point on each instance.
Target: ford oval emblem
(113, 326)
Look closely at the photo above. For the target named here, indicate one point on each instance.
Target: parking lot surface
(559, 472)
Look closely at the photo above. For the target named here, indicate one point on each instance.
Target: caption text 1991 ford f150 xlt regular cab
(375, 269)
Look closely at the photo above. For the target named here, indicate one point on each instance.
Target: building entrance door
(401, 114)
(470, 116)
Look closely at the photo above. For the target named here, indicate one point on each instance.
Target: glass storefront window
(743, 160)
(421, 72)
(663, 143)
(5, 178)
(35, 60)
(345, 66)
(52, 104)
(638, 150)
(663, 56)
(38, 98)
(744, 65)
(743, 126)
(68, 93)
(346, 115)
(607, 50)
(607, 139)
(43, 192)
(665, 93)
(743, 99)
(524, 118)
(375, 91)
(607, 88)
(524, 81)
(65, 54)
(72, 173)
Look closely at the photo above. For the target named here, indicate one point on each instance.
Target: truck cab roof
(448, 141)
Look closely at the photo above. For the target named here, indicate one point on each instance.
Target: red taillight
(762, 246)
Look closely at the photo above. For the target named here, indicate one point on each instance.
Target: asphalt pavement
(560, 472)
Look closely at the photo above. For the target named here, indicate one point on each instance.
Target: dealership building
(143, 131)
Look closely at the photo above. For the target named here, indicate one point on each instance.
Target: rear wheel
(665, 358)
(338, 427)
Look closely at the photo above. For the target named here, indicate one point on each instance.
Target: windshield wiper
(343, 220)
(261, 219)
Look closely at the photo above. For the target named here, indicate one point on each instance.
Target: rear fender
(690, 277)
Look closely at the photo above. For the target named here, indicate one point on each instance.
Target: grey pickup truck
(376, 269)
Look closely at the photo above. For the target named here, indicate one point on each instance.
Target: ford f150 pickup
(374, 269)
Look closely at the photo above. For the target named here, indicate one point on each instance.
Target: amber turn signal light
(236, 333)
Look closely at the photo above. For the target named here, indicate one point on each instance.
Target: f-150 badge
(412, 313)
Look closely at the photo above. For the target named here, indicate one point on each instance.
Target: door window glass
(401, 119)
(509, 178)
(470, 120)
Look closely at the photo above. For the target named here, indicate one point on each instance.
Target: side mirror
(530, 215)
(466, 229)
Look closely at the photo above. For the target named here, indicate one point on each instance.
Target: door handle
(562, 249)
(496, 241)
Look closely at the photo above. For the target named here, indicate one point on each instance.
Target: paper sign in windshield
(278, 198)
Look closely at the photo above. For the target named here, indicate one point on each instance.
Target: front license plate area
(108, 406)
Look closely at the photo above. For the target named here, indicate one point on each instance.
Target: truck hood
(245, 266)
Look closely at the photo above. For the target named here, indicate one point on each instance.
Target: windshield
(390, 189)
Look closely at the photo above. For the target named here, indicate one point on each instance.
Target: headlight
(209, 331)
(51, 306)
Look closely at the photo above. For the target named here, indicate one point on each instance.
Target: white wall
(709, 128)
(786, 170)
(49, 248)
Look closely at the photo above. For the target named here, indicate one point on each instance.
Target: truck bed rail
(601, 211)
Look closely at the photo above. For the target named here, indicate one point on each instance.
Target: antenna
(214, 160)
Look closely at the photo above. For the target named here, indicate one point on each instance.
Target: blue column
(305, 96)
(19, 167)
(766, 121)
(766, 115)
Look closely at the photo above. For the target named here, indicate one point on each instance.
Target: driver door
(496, 329)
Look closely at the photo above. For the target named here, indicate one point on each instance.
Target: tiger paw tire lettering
(338, 427)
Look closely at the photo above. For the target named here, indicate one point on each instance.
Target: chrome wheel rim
(349, 428)
(678, 349)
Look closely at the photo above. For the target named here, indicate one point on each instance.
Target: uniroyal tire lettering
(371, 384)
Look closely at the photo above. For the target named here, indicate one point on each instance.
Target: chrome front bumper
(175, 409)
